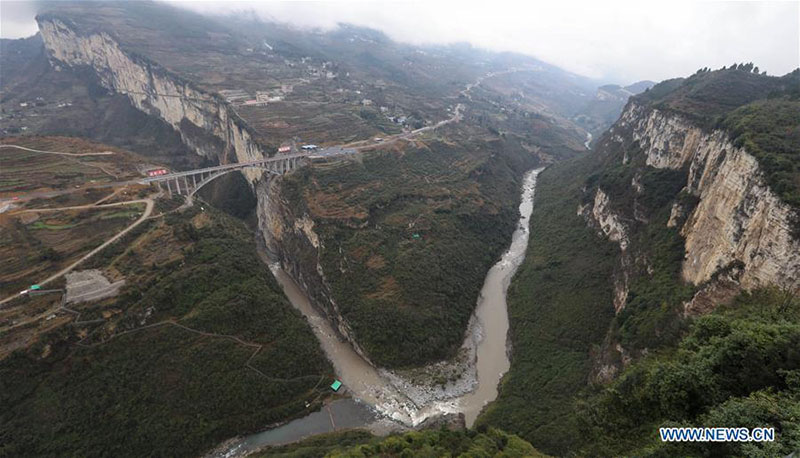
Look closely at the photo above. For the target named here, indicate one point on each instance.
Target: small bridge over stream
(187, 183)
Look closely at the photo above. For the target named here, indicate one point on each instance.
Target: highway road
(456, 117)
(357, 145)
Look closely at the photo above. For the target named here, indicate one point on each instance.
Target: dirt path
(104, 153)
(148, 210)
(84, 207)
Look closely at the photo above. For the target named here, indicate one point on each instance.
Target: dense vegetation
(429, 443)
(407, 237)
(651, 316)
(559, 308)
(417, 259)
(738, 367)
(770, 130)
(564, 331)
(707, 96)
(171, 368)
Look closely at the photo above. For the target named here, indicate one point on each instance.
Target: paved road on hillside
(456, 117)
(147, 211)
(357, 145)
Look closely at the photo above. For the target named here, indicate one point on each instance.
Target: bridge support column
(169, 188)
(194, 182)
(186, 184)
(178, 185)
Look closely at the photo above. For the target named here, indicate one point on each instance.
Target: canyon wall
(736, 233)
(205, 121)
(290, 238)
(738, 219)
(211, 128)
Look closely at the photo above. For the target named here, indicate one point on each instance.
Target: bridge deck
(218, 168)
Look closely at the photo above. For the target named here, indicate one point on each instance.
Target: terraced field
(60, 163)
(201, 345)
(318, 123)
(35, 245)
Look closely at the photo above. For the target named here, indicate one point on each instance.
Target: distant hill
(606, 105)
(761, 113)
(639, 86)
(707, 95)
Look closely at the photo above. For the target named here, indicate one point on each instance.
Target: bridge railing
(217, 168)
(190, 181)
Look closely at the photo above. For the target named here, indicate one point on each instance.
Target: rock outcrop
(609, 224)
(205, 121)
(737, 234)
(289, 236)
(210, 127)
(738, 219)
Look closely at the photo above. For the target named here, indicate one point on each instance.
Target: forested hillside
(428, 443)
(761, 113)
(604, 283)
(737, 367)
(201, 346)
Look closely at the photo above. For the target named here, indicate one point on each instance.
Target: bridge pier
(279, 165)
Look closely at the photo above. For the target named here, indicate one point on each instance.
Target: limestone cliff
(610, 224)
(735, 232)
(738, 219)
(211, 127)
(207, 124)
(290, 238)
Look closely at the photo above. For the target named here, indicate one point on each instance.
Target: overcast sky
(621, 41)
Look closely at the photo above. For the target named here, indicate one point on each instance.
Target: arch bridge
(187, 183)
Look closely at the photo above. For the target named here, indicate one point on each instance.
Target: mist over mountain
(388, 229)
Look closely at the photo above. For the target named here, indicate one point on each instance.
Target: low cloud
(616, 40)
(621, 41)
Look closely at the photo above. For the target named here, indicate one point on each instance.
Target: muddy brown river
(381, 394)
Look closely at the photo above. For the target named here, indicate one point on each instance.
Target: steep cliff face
(289, 236)
(738, 219)
(210, 127)
(610, 223)
(696, 223)
(207, 124)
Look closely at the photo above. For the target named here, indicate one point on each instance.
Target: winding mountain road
(146, 214)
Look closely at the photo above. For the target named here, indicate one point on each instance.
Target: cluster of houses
(242, 97)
